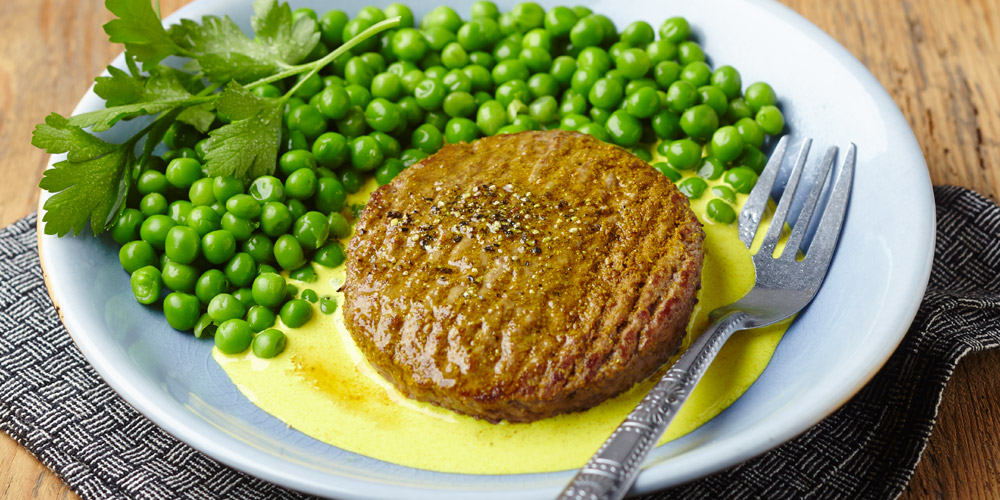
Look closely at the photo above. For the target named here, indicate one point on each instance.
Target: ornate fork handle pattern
(609, 474)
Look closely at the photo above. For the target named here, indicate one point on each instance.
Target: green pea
(243, 205)
(600, 116)
(666, 125)
(738, 109)
(526, 122)
(179, 210)
(587, 32)
(296, 312)
(727, 144)
(562, 70)
(638, 34)
(181, 244)
(245, 296)
(489, 118)
(269, 290)
(634, 63)
(409, 44)
(330, 255)
(151, 181)
(560, 21)
(411, 156)
(728, 80)
(224, 307)
(623, 128)
(267, 188)
(442, 16)
(388, 171)
(339, 227)
(358, 96)
(134, 255)
(545, 109)
(753, 158)
(606, 93)
(203, 220)
(179, 277)
(240, 227)
(225, 187)
(689, 52)
(182, 172)
(146, 284)
(675, 29)
(742, 179)
(770, 119)
(750, 132)
(697, 73)
(720, 211)
(331, 26)
(713, 97)
(305, 273)
(459, 104)
(300, 184)
(683, 154)
(181, 310)
(269, 343)
(308, 120)
(430, 94)
(211, 283)
(536, 59)
(233, 336)
(411, 111)
(572, 121)
(126, 227)
(457, 81)
(311, 230)
(309, 295)
(760, 94)
(483, 60)
(351, 180)
(725, 193)
(699, 121)
(288, 252)
(327, 305)
(668, 171)
(514, 90)
(260, 318)
(355, 122)
(427, 138)
(693, 187)
(461, 130)
(294, 140)
(681, 95)
(218, 246)
(275, 218)
(154, 228)
(711, 168)
(573, 103)
(153, 204)
(483, 8)
(665, 73)
(241, 269)
(510, 69)
(259, 247)
(643, 103)
(594, 129)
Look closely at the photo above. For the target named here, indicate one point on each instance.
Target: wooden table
(939, 60)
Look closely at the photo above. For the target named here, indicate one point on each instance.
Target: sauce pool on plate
(322, 386)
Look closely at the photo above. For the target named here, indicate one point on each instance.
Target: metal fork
(783, 286)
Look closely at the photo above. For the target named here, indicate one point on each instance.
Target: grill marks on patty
(522, 276)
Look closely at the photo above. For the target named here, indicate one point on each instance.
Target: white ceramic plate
(870, 296)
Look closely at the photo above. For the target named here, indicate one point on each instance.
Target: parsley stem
(318, 64)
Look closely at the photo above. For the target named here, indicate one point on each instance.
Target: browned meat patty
(522, 276)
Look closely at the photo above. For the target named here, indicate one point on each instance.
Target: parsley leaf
(225, 53)
(289, 39)
(90, 184)
(246, 148)
(141, 30)
(200, 117)
(237, 103)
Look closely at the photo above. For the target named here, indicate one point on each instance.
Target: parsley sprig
(95, 178)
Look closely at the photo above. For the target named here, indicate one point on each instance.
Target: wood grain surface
(940, 61)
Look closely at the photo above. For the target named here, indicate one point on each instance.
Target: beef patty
(523, 275)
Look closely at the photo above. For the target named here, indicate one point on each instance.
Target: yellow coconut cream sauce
(322, 386)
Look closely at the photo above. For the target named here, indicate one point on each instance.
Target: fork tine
(753, 209)
(821, 249)
(785, 203)
(805, 216)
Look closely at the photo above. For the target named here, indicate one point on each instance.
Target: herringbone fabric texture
(53, 402)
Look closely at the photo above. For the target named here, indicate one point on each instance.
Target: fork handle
(610, 473)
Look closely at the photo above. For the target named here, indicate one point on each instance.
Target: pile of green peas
(219, 244)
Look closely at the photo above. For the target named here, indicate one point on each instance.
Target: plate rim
(347, 487)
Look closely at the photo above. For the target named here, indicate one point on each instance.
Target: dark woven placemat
(53, 403)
